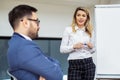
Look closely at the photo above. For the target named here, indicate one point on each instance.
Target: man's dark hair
(19, 12)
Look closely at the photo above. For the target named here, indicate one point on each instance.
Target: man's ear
(26, 22)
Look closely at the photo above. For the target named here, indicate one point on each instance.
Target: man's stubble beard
(33, 35)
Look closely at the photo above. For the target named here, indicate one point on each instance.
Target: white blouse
(70, 38)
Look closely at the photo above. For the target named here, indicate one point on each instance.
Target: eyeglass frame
(35, 20)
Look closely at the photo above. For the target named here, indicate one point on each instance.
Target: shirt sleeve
(92, 40)
(33, 60)
(65, 47)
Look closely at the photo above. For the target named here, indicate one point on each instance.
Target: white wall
(114, 1)
(54, 18)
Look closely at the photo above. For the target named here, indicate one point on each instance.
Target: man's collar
(26, 37)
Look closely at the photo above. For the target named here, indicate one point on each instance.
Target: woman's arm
(65, 47)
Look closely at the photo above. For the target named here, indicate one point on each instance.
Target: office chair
(11, 76)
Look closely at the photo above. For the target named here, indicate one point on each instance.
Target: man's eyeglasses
(35, 20)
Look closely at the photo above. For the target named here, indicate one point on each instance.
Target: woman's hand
(78, 46)
(90, 45)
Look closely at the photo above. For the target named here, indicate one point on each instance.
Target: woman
(77, 42)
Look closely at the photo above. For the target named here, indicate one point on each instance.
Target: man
(25, 59)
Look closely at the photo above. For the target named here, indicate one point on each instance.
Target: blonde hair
(88, 26)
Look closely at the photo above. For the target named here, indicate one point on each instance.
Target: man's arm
(41, 78)
(39, 64)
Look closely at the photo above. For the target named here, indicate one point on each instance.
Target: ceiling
(85, 3)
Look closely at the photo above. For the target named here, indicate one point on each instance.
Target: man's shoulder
(20, 42)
